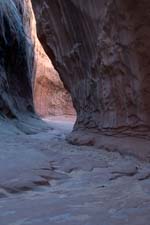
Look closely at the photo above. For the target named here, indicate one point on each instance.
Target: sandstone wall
(50, 96)
(16, 61)
(101, 51)
(25, 70)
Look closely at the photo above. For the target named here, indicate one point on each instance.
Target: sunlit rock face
(50, 96)
(16, 61)
(24, 66)
(101, 50)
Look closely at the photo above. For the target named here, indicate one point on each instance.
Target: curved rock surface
(25, 66)
(50, 96)
(16, 60)
(101, 51)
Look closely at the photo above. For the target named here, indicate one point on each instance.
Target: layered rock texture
(16, 60)
(50, 96)
(101, 51)
(25, 70)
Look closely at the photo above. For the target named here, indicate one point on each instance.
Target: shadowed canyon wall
(16, 61)
(101, 50)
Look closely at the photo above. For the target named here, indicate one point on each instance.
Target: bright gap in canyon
(74, 112)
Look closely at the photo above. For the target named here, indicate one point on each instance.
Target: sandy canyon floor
(46, 181)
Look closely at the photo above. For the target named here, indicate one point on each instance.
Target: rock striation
(26, 73)
(101, 51)
(50, 96)
(16, 61)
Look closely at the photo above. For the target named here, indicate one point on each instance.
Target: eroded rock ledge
(101, 50)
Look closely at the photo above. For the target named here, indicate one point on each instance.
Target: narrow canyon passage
(74, 112)
(48, 181)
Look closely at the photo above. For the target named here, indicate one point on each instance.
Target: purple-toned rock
(16, 61)
(101, 51)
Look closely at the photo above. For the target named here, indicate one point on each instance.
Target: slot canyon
(74, 112)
